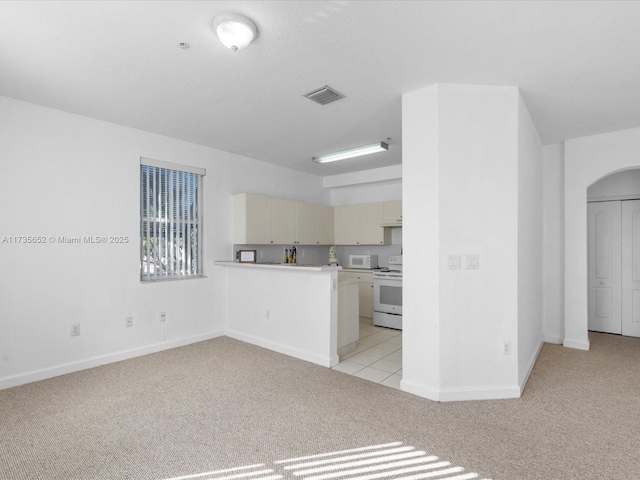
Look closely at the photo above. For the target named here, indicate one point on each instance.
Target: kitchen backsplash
(319, 254)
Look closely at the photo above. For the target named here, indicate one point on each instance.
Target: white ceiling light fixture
(351, 152)
(235, 31)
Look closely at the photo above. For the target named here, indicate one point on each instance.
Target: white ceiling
(577, 64)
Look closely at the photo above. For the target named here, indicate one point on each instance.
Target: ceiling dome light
(235, 31)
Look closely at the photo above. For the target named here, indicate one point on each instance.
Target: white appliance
(368, 262)
(387, 295)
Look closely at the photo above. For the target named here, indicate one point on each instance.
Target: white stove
(387, 294)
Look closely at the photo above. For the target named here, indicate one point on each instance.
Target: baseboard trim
(479, 393)
(420, 390)
(328, 361)
(551, 339)
(532, 362)
(577, 344)
(459, 395)
(72, 367)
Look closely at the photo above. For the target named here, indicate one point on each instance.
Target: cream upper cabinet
(347, 225)
(284, 221)
(360, 225)
(252, 219)
(392, 212)
(261, 220)
(371, 233)
(305, 217)
(324, 225)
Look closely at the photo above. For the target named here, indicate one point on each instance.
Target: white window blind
(170, 220)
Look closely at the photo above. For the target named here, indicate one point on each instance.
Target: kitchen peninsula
(291, 309)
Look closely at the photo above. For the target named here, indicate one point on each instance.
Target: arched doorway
(587, 160)
(613, 209)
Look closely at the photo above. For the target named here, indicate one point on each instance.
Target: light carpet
(223, 409)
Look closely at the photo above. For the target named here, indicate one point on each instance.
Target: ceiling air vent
(324, 95)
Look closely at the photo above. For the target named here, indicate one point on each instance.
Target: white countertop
(289, 266)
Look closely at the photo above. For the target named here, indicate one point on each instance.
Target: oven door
(387, 294)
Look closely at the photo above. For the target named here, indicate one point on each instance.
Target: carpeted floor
(226, 409)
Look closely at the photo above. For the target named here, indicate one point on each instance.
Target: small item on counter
(294, 255)
(286, 256)
(333, 260)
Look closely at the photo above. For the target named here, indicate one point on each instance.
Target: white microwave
(363, 261)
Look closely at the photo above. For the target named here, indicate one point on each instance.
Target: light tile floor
(377, 357)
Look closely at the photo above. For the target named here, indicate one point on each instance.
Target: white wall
(460, 196)
(272, 307)
(366, 193)
(553, 243)
(67, 175)
(587, 160)
(422, 369)
(479, 215)
(617, 186)
(530, 252)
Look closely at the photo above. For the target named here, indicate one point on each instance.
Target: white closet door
(631, 268)
(604, 267)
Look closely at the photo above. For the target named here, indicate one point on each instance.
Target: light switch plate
(472, 261)
(453, 262)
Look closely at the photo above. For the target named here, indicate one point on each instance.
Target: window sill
(171, 279)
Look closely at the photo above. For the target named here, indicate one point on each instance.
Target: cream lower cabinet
(348, 314)
(365, 290)
(366, 294)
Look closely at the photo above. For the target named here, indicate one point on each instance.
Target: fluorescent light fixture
(351, 152)
(235, 31)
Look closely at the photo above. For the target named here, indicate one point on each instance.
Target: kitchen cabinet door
(366, 294)
(347, 225)
(392, 212)
(305, 223)
(371, 219)
(252, 219)
(284, 221)
(324, 225)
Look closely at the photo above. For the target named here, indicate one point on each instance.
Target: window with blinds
(170, 220)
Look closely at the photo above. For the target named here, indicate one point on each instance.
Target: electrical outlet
(128, 322)
(163, 316)
(75, 329)
(506, 348)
